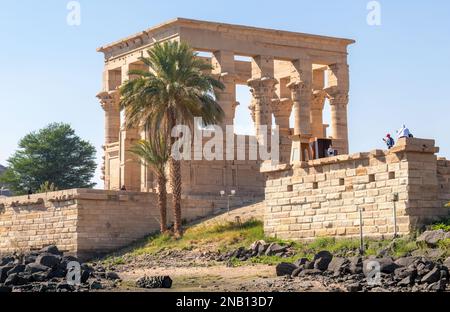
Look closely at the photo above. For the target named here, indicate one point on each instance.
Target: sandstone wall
(89, 222)
(39, 220)
(323, 197)
(443, 169)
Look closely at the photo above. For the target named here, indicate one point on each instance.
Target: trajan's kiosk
(306, 195)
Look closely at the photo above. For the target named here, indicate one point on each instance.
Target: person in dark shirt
(389, 141)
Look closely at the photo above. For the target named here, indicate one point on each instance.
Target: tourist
(331, 152)
(123, 188)
(389, 141)
(404, 133)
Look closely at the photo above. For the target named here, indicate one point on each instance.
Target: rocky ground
(194, 270)
(46, 270)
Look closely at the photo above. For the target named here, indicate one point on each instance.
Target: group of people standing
(402, 133)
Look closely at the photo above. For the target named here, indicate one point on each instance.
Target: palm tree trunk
(162, 202)
(175, 179)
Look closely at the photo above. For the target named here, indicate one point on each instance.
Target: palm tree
(154, 153)
(176, 89)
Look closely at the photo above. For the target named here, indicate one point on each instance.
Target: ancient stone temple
(309, 193)
(288, 73)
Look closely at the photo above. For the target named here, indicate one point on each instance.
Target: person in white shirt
(331, 152)
(403, 133)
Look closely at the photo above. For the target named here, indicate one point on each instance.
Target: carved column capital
(109, 100)
(262, 86)
(281, 107)
(337, 96)
(318, 99)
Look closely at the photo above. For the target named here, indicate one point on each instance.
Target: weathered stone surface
(432, 277)
(431, 238)
(284, 269)
(322, 260)
(52, 249)
(154, 282)
(337, 265)
(48, 260)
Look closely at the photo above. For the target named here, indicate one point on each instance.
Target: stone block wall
(323, 197)
(90, 222)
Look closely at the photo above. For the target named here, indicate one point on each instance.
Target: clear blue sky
(399, 71)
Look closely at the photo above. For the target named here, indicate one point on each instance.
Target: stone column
(281, 109)
(338, 94)
(262, 86)
(223, 67)
(130, 164)
(110, 104)
(318, 101)
(301, 89)
(339, 125)
(262, 90)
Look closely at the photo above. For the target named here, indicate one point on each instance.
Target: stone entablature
(323, 197)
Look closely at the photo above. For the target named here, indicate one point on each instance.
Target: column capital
(337, 96)
(109, 100)
(262, 86)
(318, 99)
(281, 107)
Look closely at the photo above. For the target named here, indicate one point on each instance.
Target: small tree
(154, 153)
(55, 155)
(47, 187)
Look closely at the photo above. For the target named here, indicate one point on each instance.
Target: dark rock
(403, 272)
(16, 280)
(337, 265)
(387, 265)
(112, 276)
(95, 285)
(355, 287)
(356, 265)
(440, 285)
(310, 272)
(6, 260)
(296, 272)
(85, 274)
(154, 282)
(424, 267)
(407, 281)
(309, 265)
(5, 289)
(406, 261)
(256, 245)
(300, 262)
(447, 263)
(66, 260)
(322, 260)
(36, 267)
(52, 249)
(49, 260)
(30, 258)
(57, 273)
(39, 276)
(4, 272)
(65, 286)
(274, 248)
(18, 268)
(433, 276)
(284, 269)
(431, 238)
